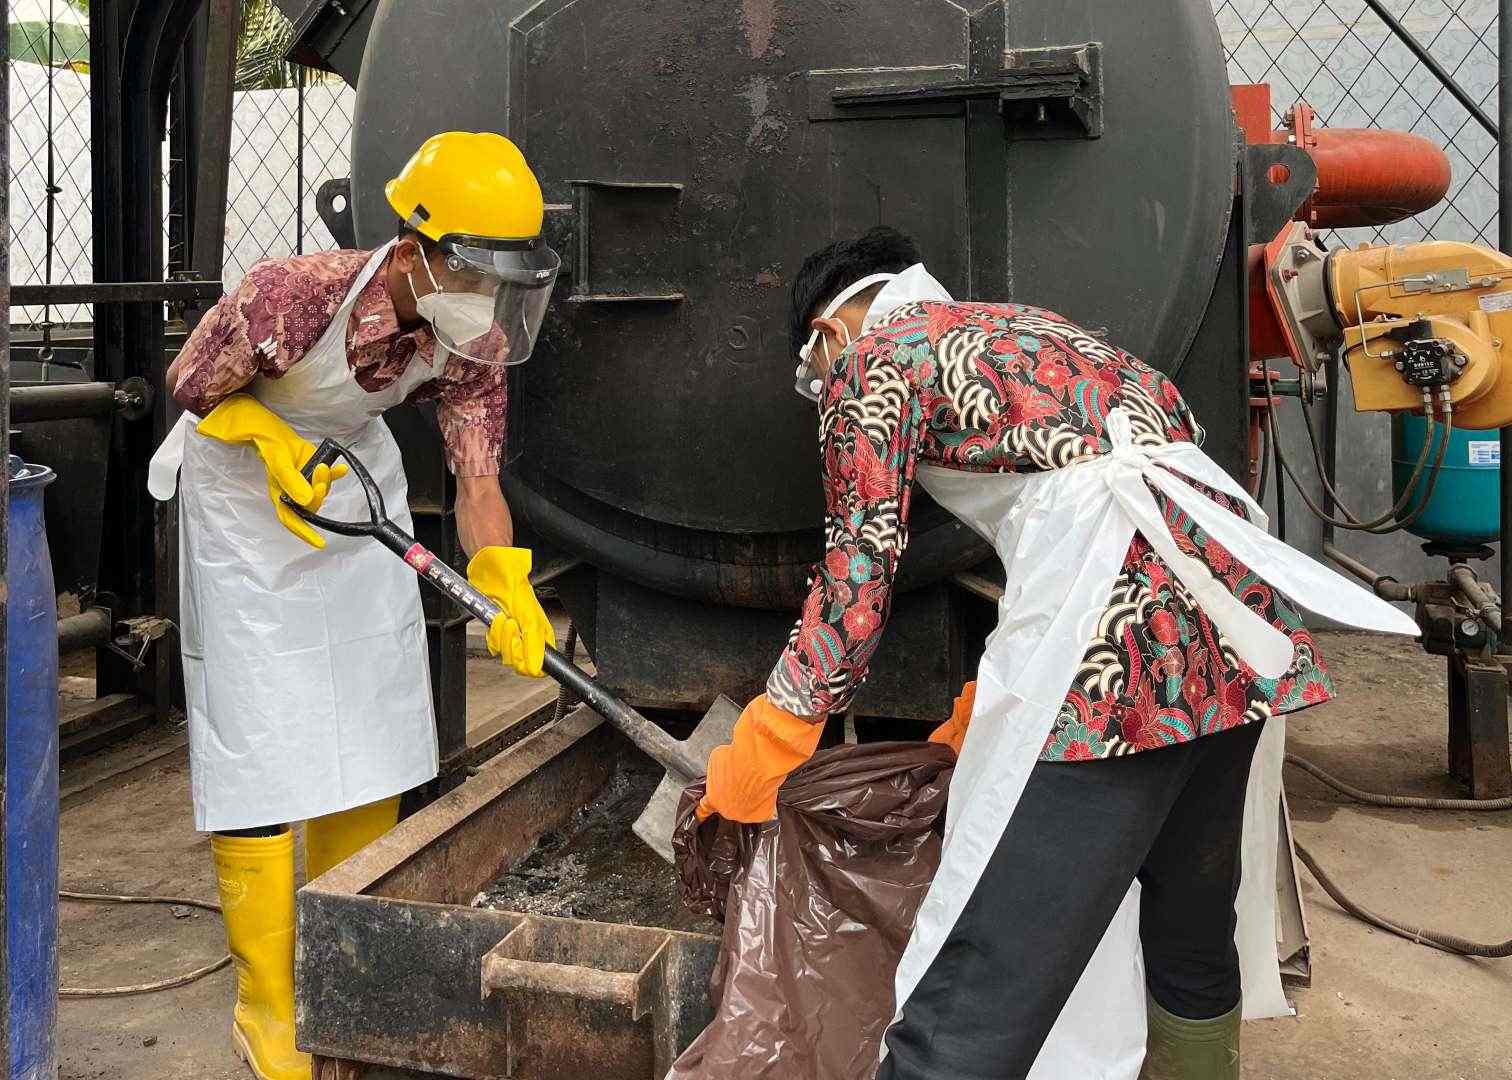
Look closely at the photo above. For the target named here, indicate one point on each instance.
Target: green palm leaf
(265, 36)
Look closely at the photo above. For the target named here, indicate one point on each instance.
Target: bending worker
(305, 668)
(1144, 638)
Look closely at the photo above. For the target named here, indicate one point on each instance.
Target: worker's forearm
(483, 518)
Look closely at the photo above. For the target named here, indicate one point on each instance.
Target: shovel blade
(659, 818)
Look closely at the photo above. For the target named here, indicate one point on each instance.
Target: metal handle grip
(651, 739)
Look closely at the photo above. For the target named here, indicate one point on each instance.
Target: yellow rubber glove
(953, 731)
(520, 634)
(744, 775)
(241, 418)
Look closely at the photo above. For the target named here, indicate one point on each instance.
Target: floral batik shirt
(1010, 388)
(283, 307)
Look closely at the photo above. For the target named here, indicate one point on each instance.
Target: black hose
(1435, 939)
(1408, 490)
(1388, 522)
(1399, 802)
(142, 988)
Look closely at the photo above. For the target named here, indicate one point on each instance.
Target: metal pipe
(1385, 586)
(116, 292)
(1441, 73)
(62, 401)
(1504, 239)
(88, 629)
(1475, 593)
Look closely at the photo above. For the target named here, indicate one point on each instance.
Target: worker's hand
(520, 634)
(744, 775)
(953, 731)
(241, 418)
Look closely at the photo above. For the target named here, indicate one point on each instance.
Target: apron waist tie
(1268, 651)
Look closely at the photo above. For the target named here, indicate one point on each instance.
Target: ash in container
(596, 868)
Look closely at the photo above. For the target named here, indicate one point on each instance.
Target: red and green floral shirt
(283, 307)
(1011, 388)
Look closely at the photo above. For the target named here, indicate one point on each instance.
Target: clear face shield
(809, 377)
(490, 297)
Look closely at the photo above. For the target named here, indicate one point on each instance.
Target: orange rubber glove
(953, 731)
(744, 775)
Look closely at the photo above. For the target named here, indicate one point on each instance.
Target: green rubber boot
(1178, 1049)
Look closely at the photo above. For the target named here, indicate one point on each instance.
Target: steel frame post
(432, 498)
(133, 51)
(1504, 240)
(1478, 746)
(208, 242)
(4, 481)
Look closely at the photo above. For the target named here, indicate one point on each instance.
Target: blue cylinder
(31, 781)
(1466, 504)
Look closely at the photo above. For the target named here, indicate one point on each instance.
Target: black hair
(882, 250)
(408, 232)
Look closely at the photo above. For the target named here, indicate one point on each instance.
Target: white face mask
(457, 317)
(808, 381)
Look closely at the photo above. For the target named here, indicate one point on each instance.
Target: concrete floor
(1379, 1008)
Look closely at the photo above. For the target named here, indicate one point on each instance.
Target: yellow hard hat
(468, 183)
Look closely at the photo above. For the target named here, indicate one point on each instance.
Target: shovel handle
(652, 740)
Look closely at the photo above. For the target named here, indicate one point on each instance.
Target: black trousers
(1082, 831)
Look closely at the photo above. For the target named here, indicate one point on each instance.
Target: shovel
(685, 760)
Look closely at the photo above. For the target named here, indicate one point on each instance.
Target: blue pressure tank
(31, 781)
(1466, 504)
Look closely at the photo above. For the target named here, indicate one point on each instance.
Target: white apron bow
(1062, 536)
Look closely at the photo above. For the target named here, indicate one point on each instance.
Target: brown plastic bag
(817, 908)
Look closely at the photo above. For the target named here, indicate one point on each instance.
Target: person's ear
(406, 255)
(836, 335)
(831, 327)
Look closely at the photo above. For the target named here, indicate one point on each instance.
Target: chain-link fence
(287, 139)
(49, 153)
(1338, 54)
(285, 143)
(1356, 71)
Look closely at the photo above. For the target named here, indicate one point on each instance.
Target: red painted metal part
(1370, 177)
(1252, 111)
(1366, 177)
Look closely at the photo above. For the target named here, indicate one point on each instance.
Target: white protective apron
(1062, 536)
(305, 672)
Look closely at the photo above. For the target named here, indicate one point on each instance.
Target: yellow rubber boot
(336, 837)
(256, 879)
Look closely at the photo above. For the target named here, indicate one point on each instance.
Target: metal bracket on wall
(620, 250)
(333, 202)
(1054, 92)
(1278, 179)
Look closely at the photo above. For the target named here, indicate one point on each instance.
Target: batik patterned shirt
(1009, 388)
(283, 307)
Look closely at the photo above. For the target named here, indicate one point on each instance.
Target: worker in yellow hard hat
(305, 668)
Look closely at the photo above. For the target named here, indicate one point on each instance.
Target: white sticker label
(1487, 454)
(1496, 302)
